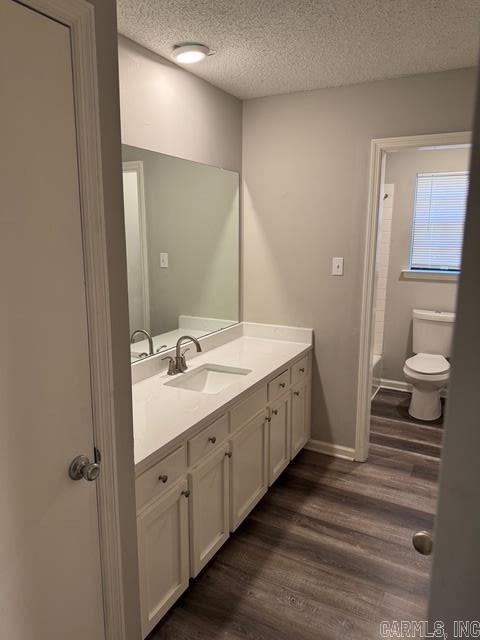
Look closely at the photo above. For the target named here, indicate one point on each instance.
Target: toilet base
(425, 404)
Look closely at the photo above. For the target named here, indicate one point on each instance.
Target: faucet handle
(171, 365)
(183, 360)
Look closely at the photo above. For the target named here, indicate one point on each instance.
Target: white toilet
(428, 371)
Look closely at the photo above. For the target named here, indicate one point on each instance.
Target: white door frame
(136, 166)
(79, 17)
(378, 149)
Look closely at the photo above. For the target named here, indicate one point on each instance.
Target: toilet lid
(428, 363)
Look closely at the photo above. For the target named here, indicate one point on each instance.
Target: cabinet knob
(163, 478)
(268, 419)
(282, 385)
(296, 393)
(186, 493)
(302, 369)
(212, 439)
(228, 454)
(275, 412)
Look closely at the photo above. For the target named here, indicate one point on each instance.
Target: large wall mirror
(182, 232)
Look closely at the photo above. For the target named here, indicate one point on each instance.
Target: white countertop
(163, 415)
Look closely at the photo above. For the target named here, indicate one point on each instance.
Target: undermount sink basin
(209, 378)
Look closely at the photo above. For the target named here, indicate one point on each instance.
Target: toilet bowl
(428, 374)
(428, 371)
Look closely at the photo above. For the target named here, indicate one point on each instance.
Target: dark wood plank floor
(327, 554)
(393, 427)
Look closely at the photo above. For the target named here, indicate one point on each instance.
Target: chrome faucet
(179, 364)
(147, 336)
(180, 360)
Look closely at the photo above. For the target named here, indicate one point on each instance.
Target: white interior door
(50, 582)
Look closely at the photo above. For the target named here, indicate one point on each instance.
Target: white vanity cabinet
(163, 553)
(209, 484)
(249, 467)
(190, 499)
(279, 430)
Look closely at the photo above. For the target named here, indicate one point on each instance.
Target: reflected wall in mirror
(182, 235)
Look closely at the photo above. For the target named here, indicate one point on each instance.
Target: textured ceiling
(264, 47)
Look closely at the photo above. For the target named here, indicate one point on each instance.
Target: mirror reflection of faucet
(147, 336)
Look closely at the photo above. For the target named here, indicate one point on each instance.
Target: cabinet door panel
(249, 468)
(279, 438)
(299, 419)
(210, 504)
(163, 554)
(300, 371)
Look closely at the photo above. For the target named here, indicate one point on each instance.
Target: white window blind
(438, 221)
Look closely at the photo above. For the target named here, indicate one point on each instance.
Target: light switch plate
(337, 266)
(164, 260)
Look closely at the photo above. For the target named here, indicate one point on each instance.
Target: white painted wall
(404, 295)
(164, 108)
(305, 169)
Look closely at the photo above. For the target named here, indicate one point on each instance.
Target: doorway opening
(417, 194)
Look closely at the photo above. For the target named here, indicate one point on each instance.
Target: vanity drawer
(300, 370)
(204, 442)
(248, 408)
(278, 385)
(162, 476)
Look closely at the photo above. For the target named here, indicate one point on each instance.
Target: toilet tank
(432, 331)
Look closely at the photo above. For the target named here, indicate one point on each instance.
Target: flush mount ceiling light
(190, 53)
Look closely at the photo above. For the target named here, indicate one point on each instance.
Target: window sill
(437, 276)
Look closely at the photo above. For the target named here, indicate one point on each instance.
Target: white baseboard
(396, 385)
(330, 449)
(401, 385)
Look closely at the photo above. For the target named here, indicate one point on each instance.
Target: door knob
(81, 467)
(423, 543)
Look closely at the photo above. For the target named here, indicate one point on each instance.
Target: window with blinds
(438, 221)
